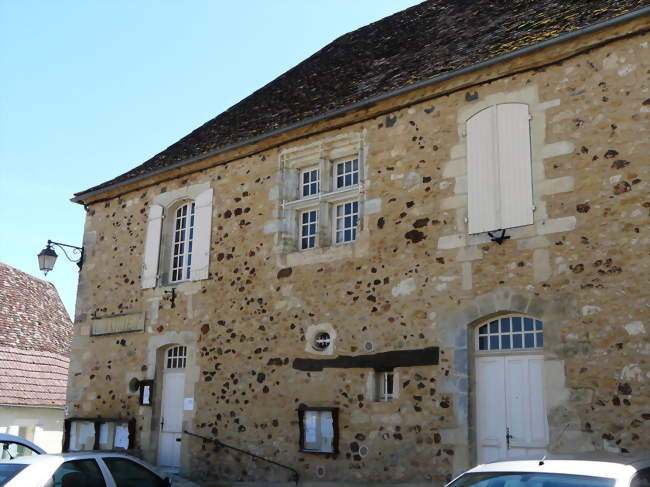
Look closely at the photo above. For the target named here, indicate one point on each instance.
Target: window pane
(130, 474)
(483, 330)
(528, 324)
(516, 323)
(79, 472)
(529, 340)
(540, 340)
(539, 325)
(516, 340)
(505, 325)
(494, 327)
(505, 341)
(482, 343)
(494, 342)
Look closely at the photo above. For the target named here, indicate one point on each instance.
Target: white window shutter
(202, 236)
(152, 247)
(482, 172)
(515, 177)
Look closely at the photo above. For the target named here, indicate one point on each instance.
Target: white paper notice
(188, 404)
(103, 434)
(121, 436)
(145, 394)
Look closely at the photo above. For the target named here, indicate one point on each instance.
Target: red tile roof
(35, 335)
(31, 378)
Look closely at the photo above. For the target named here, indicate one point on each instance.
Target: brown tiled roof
(416, 44)
(30, 378)
(35, 335)
(32, 316)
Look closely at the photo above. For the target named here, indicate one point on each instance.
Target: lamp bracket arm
(75, 251)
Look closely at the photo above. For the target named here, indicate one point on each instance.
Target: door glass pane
(494, 326)
(482, 343)
(505, 341)
(494, 342)
(516, 341)
(130, 474)
(79, 472)
(505, 325)
(540, 340)
(528, 324)
(529, 340)
(516, 323)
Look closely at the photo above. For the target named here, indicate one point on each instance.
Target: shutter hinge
(464, 132)
(530, 116)
(466, 220)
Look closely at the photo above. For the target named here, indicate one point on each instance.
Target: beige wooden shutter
(515, 178)
(482, 172)
(152, 247)
(202, 236)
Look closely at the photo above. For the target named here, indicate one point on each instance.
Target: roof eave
(80, 197)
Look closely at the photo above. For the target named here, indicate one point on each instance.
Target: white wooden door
(171, 419)
(511, 413)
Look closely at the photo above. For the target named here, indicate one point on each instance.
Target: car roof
(597, 465)
(6, 437)
(64, 457)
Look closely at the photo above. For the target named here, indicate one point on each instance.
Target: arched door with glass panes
(510, 403)
(171, 408)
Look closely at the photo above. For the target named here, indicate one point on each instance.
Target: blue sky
(90, 89)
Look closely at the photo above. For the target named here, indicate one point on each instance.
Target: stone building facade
(383, 341)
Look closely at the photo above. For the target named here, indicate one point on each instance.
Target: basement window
(318, 429)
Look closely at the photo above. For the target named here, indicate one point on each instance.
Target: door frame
(472, 356)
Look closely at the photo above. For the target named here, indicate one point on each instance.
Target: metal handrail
(295, 477)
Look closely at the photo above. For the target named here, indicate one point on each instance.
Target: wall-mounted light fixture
(47, 256)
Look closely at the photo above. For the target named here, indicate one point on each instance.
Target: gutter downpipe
(79, 197)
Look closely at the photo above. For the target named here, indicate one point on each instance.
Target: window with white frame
(176, 357)
(499, 174)
(181, 263)
(177, 242)
(310, 182)
(346, 221)
(347, 173)
(322, 193)
(308, 229)
(510, 333)
(385, 386)
(318, 429)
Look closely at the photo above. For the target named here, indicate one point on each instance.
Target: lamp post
(47, 256)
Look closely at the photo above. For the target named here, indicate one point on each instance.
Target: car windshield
(9, 471)
(530, 479)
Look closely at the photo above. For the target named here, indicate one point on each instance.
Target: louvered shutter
(515, 177)
(202, 236)
(482, 172)
(152, 247)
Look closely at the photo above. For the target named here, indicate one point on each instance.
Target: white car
(590, 470)
(16, 446)
(79, 469)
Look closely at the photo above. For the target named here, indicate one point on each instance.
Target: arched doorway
(510, 400)
(171, 407)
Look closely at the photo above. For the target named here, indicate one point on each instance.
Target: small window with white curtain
(499, 175)
(318, 429)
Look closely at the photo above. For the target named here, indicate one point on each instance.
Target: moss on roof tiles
(416, 44)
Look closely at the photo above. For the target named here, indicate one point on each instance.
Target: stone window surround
(169, 200)
(324, 153)
(529, 237)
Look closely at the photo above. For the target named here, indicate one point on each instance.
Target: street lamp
(47, 256)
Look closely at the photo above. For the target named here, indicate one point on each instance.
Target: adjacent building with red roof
(35, 334)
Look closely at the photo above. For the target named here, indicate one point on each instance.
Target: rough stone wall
(582, 268)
